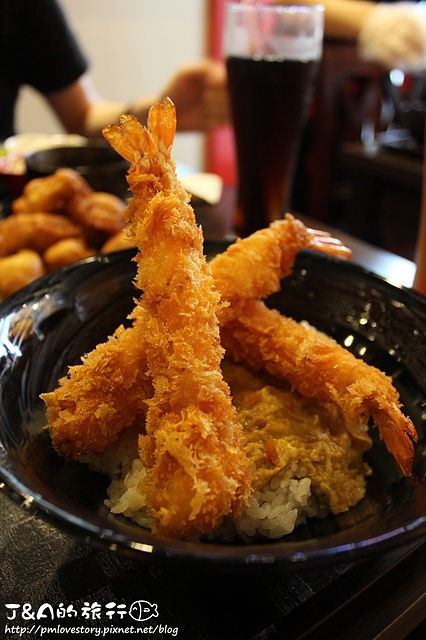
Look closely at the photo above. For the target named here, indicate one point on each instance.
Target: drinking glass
(272, 55)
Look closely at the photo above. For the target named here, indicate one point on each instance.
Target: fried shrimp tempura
(176, 279)
(264, 257)
(197, 468)
(313, 363)
(320, 368)
(254, 266)
(100, 397)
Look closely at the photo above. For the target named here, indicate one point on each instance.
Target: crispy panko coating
(263, 259)
(169, 359)
(197, 468)
(101, 397)
(35, 231)
(51, 193)
(18, 270)
(320, 368)
(254, 266)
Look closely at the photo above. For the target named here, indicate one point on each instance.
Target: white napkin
(206, 186)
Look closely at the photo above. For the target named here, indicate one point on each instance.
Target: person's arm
(198, 91)
(81, 110)
(345, 18)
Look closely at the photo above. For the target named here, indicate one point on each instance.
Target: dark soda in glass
(269, 105)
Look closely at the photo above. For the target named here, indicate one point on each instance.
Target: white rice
(282, 504)
(126, 497)
(274, 511)
(121, 464)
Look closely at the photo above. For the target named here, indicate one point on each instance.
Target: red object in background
(220, 152)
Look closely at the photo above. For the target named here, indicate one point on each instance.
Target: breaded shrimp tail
(320, 368)
(197, 468)
(253, 267)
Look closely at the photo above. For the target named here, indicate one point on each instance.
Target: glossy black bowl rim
(141, 544)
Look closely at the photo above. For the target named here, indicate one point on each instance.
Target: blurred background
(133, 48)
(360, 163)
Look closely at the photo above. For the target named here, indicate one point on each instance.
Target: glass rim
(275, 8)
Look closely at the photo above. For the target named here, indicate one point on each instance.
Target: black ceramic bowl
(102, 167)
(69, 311)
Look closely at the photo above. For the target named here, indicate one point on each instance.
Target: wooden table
(381, 598)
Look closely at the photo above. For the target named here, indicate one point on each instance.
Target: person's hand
(395, 36)
(200, 95)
